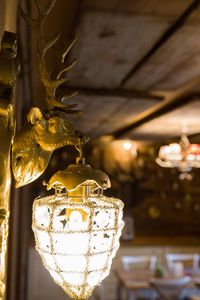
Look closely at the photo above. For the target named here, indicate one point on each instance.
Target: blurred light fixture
(124, 148)
(77, 231)
(116, 157)
(127, 145)
(183, 156)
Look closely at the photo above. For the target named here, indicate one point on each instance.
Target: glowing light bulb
(75, 220)
(127, 145)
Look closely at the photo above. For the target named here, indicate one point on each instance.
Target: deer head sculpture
(34, 144)
(47, 130)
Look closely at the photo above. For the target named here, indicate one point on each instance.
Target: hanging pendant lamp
(77, 231)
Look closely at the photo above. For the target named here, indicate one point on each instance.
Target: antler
(51, 83)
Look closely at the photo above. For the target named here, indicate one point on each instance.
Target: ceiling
(138, 66)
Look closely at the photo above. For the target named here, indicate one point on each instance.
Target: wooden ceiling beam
(89, 91)
(163, 39)
(194, 135)
(156, 111)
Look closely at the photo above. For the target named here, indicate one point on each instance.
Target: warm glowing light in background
(125, 148)
(119, 152)
(127, 145)
(183, 156)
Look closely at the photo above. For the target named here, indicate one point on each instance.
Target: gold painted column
(8, 71)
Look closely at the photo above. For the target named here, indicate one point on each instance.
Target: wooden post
(10, 18)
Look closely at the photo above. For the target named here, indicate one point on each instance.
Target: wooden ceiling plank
(170, 124)
(184, 72)
(102, 114)
(154, 7)
(106, 52)
(176, 53)
(162, 40)
(96, 110)
(91, 91)
(122, 116)
(156, 111)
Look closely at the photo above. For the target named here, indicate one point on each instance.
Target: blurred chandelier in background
(183, 155)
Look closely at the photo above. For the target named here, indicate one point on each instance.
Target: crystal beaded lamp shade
(77, 238)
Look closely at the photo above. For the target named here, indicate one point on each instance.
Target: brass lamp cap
(76, 175)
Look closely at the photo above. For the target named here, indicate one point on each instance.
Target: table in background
(133, 281)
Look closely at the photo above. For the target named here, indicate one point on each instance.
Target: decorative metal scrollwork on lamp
(183, 156)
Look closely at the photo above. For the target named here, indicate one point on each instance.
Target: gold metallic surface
(35, 143)
(8, 73)
(76, 175)
(51, 81)
(5, 183)
(47, 130)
